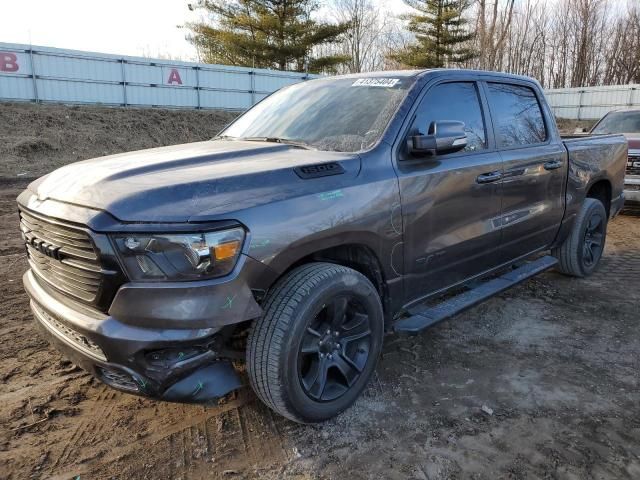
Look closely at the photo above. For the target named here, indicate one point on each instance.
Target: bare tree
(623, 52)
(364, 39)
(563, 43)
(493, 23)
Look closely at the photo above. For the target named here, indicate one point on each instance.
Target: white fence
(43, 74)
(590, 103)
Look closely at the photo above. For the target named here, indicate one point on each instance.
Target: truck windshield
(619, 122)
(345, 115)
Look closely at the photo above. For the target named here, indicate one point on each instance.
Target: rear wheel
(582, 250)
(315, 348)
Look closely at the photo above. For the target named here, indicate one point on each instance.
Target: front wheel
(315, 348)
(582, 250)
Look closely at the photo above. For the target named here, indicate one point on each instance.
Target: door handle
(552, 165)
(489, 177)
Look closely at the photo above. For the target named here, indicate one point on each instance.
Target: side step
(422, 318)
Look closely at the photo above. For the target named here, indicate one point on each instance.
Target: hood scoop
(319, 170)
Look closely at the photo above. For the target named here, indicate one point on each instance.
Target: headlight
(180, 256)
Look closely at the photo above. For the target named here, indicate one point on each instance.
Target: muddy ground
(36, 139)
(555, 361)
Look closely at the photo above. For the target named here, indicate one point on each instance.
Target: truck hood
(190, 182)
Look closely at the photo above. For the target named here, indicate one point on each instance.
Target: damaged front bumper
(162, 362)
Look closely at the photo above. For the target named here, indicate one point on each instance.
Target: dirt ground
(568, 126)
(554, 364)
(36, 139)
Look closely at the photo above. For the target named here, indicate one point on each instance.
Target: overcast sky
(127, 27)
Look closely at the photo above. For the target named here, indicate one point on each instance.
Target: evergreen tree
(278, 34)
(441, 34)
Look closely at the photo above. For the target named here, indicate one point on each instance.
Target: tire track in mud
(240, 438)
(243, 432)
(90, 426)
(177, 437)
(175, 433)
(273, 427)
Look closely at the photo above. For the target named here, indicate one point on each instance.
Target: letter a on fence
(174, 77)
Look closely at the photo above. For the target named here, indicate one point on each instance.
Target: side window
(453, 101)
(516, 114)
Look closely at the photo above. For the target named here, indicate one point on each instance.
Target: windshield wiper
(284, 141)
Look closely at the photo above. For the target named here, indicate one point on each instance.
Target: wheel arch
(601, 190)
(359, 257)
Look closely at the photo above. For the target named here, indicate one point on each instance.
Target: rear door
(450, 206)
(535, 169)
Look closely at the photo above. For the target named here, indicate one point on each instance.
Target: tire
(581, 251)
(287, 355)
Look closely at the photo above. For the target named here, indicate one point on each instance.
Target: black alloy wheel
(335, 349)
(593, 240)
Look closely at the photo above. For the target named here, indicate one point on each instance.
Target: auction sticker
(376, 82)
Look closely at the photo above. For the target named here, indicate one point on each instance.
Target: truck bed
(593, 158)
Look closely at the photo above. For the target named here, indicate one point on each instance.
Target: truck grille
(633, 165)
(63, 256)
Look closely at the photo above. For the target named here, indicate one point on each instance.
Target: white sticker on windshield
(375, 82)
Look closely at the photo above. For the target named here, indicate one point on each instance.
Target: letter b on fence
(8, 62)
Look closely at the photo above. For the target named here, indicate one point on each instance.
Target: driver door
(450, 203)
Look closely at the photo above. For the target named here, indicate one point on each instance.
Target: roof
(423, 72)
(382, 73)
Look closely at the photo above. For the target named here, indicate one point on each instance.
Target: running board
(422, 318)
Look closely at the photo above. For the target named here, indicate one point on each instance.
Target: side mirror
(444, 136)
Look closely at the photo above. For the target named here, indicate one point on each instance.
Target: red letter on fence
(174, 77)
(9, 62)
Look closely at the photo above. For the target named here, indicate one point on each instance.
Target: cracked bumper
(145, 352)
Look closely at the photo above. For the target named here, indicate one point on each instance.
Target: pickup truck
(627, 122)
(332, 212)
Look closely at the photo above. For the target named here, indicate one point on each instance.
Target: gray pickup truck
(333, 211)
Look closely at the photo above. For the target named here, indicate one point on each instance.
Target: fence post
(580, 103)
(124, 82)
(197, 69)
(631, 89)
(252, 76)
(33, 75)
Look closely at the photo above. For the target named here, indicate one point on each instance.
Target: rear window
(516, 114)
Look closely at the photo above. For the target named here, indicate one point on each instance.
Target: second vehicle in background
(626, 122)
